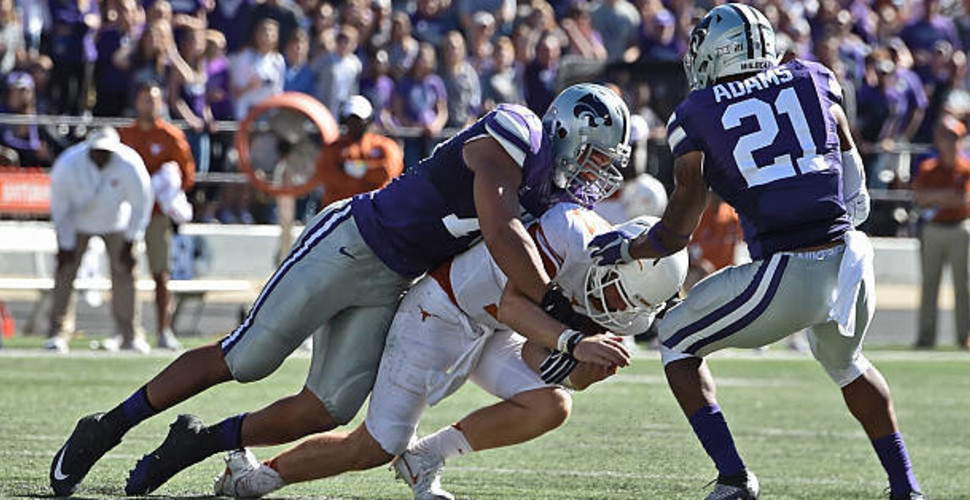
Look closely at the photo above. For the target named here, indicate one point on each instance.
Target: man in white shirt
(99, 187)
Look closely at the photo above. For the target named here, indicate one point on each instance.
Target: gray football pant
(761, 302)
(331, 278)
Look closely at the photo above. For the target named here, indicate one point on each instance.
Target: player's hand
(611, 248)
(604, 349)
(587, 374)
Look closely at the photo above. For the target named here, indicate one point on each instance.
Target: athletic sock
(224, 436)
(130, 412)
(447, 443)
(895, 459)
(714, 435)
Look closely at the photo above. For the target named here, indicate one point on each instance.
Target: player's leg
(744, 306)
(313, 290)
(529, 408)
(866, 393)
(418, 342)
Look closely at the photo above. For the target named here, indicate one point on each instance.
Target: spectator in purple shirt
(882, 110)
(420, 100)
(113, 83)
(24, 141)
(219, 97)
(584, 40)
(431, 20)
(923, 34)
(540, 75)
(657, 41)
(912, 87)
(75, 23)
(230, 17)
(461, 82)
(378, 87)
(187, 96)
(404, 47)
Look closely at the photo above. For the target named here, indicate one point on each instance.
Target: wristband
(568, 340)
(653, 238)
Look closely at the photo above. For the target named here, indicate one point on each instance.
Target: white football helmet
(732, 39)
(583, 120)
(644, 195)
(643, 285)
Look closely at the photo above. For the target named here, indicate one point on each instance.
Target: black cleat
(89, 442)
(183, 447)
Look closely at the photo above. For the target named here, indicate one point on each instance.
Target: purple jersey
(428, 214)
(771, 151)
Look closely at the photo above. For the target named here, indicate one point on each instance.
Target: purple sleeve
(678, 136)
(826, 82)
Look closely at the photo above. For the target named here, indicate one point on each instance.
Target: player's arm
(521, 314)
(854, 192)
(672, 233)
(683, 212)
(496, 185)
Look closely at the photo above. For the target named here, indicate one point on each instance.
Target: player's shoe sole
(181, 449)
(87, 444)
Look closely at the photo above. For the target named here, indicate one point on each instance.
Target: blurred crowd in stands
(429, 66)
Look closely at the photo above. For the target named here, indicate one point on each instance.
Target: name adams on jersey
(771, 128)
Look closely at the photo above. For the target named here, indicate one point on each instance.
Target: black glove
(557, 305)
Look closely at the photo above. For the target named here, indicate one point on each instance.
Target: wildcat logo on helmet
(593, 110)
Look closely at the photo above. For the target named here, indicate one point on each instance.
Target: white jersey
(474, 282)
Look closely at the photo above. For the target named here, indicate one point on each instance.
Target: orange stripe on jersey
(535, 231)
(492, 310)
(442, 274)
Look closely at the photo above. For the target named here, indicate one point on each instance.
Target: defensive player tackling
(349, 268)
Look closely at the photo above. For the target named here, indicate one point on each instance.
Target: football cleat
(167, 340)
(89, 442)
(746, 489)
(181, 448)
(246, 477)
(912, 495)
(422, 472)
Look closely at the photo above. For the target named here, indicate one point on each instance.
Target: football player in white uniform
(450, 328)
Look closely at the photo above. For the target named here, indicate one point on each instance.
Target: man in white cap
(99, 187)
(359, 161)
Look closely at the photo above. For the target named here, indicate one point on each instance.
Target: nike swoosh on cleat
(343, 251)
(57, 469)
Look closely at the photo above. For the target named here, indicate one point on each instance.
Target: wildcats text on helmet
(741, 88)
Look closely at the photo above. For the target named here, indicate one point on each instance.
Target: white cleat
(246, 477)
(422, 472)
(748, 491)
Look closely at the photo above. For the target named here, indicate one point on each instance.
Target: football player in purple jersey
(349, 268)
(772, 140)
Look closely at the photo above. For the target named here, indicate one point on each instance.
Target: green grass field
(626, 439)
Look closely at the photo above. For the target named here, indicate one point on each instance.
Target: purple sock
(892, 453)
(710, 427)
(130, 412)
(228, 433)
